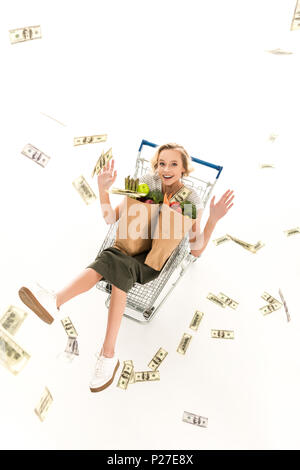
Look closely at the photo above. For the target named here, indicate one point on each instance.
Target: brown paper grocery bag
(170, 230)
(136, 224)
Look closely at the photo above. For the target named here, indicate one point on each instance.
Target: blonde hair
(186, 159)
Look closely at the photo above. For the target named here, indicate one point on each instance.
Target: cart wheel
(148, 312)
(108, 288)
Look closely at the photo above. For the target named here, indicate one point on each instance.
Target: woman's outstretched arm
(106, 178)
(199, 242)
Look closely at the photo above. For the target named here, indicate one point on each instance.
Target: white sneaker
(40, 300)
(104, 374)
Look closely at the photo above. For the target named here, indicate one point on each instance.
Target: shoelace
(51, 292)
(101, 365)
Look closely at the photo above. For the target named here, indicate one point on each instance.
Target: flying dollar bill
(132, 377)
(280, 52)
(56, 120)
(92, 139)
(12, 319)
(241, 242)
(36, 155)
(292, 231)
(267, 165)
(98, 165)
(269, 298)
(225, 334)
(147, 376)
(285, 306)
(257, 246)
(220, 240)
(157, 359)
(296, 18)
(125, 376)
(195, 419)
(196, 320)
(69, 327)
(270, 308)
(43, 405)
(214, 298)
(228, 301)
(12, 356)
(72, 346)
(24, 34)
(247, 246)
(184, 343)
(84, 189)
(102, 161)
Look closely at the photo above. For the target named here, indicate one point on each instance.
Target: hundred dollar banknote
(228, 301)
(69, 327)
(72, 346)
(184, 343)
(220, 240)
(292, 231)
(102, 161)
(84, 189)
(285, 306)
(195, 419)
(280, 52)
(196, 320)
(12, 319)
(56, 120)
(270, 308)
(147, 376)
(181, 195)
(156, 361)
(43, 405)
(92, 139)
(36, 155)
(257, 246)
(125, 376)
(98, 165)
(296, 18)
(132, 378)
(226, 334)
(247, 246)
(270, 299)
(24, 34)
(12, 356)
(214, 298)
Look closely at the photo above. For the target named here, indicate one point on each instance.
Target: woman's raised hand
(218, 210)
(107, 176)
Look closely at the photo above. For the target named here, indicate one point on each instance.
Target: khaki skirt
(121, 270)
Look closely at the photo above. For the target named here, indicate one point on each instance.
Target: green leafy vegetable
(156, 196)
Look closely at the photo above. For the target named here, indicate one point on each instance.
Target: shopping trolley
(144, 300)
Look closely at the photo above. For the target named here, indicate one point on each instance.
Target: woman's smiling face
(169, 166)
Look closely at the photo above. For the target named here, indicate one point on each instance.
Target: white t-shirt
(155, 184)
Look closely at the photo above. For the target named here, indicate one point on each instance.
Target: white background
(196, 73)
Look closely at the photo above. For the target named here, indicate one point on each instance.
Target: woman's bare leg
(115, 313)
(82, 283)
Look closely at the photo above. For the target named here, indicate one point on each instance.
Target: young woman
(169, 164)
